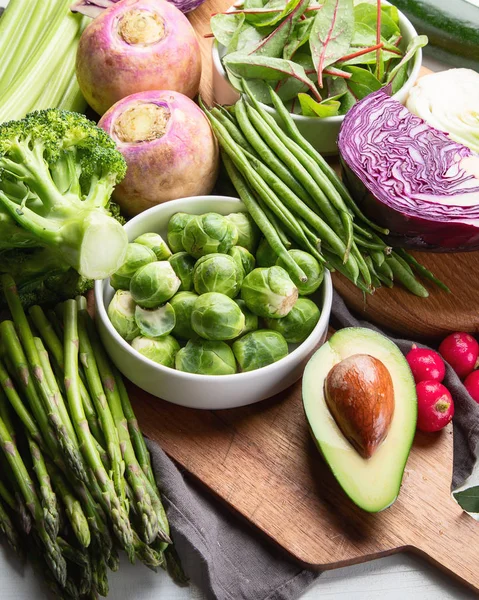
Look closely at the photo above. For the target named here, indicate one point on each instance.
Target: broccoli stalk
(57, 173)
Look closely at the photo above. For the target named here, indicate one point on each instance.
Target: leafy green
(331, 34)
(311, 108)
(468, 499)
(303, 46)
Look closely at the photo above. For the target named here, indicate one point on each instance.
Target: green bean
(372, 245)
(378, 257)
(406, 277)
(335, 264)
(421, 269)
(385, 280)
(311, 235)
(314, 171)
(296, 136)
(238, 157)
(232, 128)
(404, 264)
(385, 270)
(270, 159)
(276, 224)
(374, 276)
(257, 214)
(295, 204)
(277, 145)
(363, 267)
(358, 229)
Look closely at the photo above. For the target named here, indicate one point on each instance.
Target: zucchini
(451, 25)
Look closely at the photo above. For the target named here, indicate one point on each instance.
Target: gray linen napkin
(231, 559)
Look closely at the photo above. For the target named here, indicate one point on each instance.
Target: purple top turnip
(135, 46)
(169, 147)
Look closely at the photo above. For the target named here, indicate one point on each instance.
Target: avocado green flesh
(373, 484)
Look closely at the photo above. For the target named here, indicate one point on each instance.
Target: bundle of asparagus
(76, 477)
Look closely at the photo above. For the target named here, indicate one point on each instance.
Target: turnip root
(169, 147)
(135, 46)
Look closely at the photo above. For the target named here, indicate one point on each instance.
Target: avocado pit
(359, 393)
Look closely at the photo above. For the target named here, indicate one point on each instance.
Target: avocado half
(373, 483)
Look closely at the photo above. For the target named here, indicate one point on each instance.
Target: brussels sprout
(311, 267)
(259, 348)
(157, 322)
(121, 313)
(208, 234)
(183, 265)
(248, 232)
(176, 225)
(162, 350)
(137, 256)
(265, 255)
(298, 324)
(251, 321)
(154, 284)
(243, 258)
(183, 303)
(269, 292)
(206, 357)
(217, 273)
(155, 242)
(217, 317)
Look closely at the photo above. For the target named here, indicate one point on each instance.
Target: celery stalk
(36, 19)
(12, 26)
(16, 101)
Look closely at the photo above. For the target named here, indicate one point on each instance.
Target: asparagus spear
(147, 503)
(8, 529)
(13, 497)
(98, 396)
(5, 413)
(55, 346)
(121, 524)
(100, 576)
(82, 560)
(47, 495)
(71, 452)
(146, 554)
(72, 506)
(22, 412)
(52, 552)
(141, 451)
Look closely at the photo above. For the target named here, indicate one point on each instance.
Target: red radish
(435, 406)
(471, 384)
(426, 365)
(461, 351)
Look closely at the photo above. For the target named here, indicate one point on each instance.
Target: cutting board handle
(454, 548)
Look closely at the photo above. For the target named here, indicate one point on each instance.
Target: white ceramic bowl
(321, 133)
(204, 391)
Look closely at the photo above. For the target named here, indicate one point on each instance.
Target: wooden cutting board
(395, 309)
(263, 463)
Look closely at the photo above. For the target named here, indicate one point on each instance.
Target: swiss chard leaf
(367, 14)
(417, 42)
(273, 45)
(369, 58)
(272, 13)
(400, 78)
(337, 87)
(248, 38)
(226, 29)
(268, 69)
(298, 38)
(331, 34)
(362, 82)
(311, 108)
(251, 4)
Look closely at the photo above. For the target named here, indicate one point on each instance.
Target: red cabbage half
(409, 177)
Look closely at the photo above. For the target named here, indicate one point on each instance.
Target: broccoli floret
(41, 276)
(57, 173)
